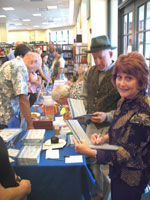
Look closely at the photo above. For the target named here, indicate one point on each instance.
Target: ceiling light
(8, 8)
(26, 20)
(36, 26)
(2, 15)
(36, 15)
(45, 23)
(51, 7)
(18, 24)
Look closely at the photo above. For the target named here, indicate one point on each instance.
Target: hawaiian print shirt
(13, 82)
(51, 57)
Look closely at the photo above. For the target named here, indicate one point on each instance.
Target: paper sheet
(11, 160)
(74, 159)
(52, 154)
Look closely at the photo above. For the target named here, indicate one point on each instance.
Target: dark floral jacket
(130, 129)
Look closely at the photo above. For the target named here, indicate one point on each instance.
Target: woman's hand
(99, 117)
(83, 148)
(98, 140)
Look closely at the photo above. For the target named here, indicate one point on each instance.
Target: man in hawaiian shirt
(14, 87)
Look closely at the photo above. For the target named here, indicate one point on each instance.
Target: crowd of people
(114, 92)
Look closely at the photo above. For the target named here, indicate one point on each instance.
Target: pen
(98, 137)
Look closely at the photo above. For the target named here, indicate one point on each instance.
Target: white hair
(60, 90)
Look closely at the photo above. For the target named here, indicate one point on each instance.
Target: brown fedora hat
(100, 43)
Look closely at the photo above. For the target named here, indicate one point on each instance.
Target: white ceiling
(64, 15)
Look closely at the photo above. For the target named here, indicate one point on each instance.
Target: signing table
(55, 179)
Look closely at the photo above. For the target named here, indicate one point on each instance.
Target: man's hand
(99, 117)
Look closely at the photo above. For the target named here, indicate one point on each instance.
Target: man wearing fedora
(99, 96)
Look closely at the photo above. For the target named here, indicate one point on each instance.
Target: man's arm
(25, 109)
(16, 193)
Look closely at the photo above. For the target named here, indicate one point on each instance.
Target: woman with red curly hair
(130, 130)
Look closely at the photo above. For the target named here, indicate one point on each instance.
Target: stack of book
(33, 137)
(29, 155)
(9, 134)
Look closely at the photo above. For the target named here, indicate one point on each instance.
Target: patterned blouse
(130, 129)
(76, 90)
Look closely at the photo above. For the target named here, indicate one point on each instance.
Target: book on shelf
(9, 134)
(29, 155)
(79, 134)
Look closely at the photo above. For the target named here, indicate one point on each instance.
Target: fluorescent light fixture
(26, 20)
(36, 26)
(8, 8)
(45, 23)
(18, 24)
(2, 16)
(36, 14)
(51, 7)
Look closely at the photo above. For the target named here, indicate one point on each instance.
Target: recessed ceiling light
(36, 26)
(8, 8)
(36, 14)
(18, 24)
(2, 15)
(52, 7)
(45, 23)
(26, 20)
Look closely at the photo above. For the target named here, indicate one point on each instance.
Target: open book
(78, 133)
(77, 108)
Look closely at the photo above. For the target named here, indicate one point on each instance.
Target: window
(127, 33)
(143, 30)
(134, 26)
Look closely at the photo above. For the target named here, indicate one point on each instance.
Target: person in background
(38, 50)
(11, 55)
(51, 56)
(11, 186)
(99, 95)
(76, 88)
(14, 87)
(58, 65)
(33, 83)
(60, 94)
(45, 68)
(130, 130)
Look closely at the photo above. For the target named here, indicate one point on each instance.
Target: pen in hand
(97, 138)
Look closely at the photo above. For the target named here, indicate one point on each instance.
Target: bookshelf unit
(79, 55)
(68, 56)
